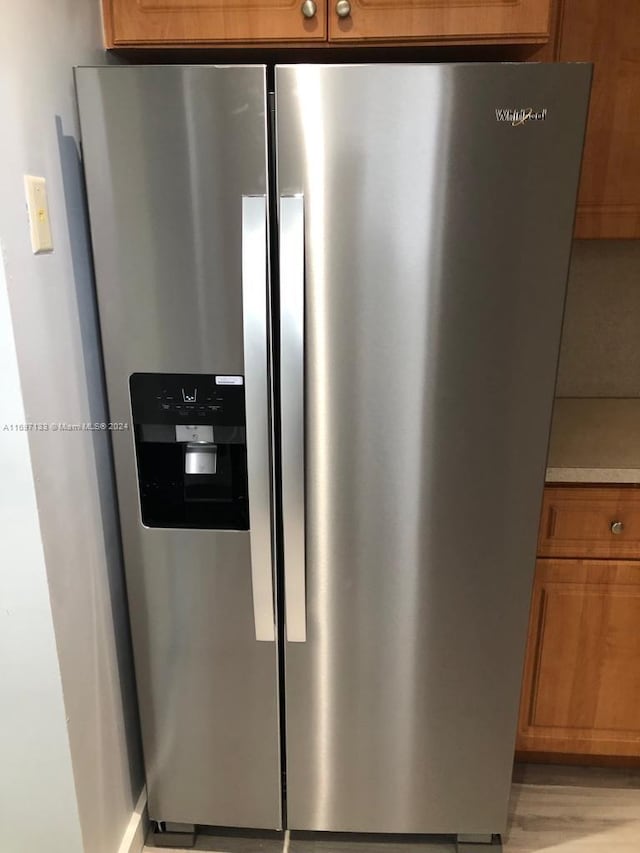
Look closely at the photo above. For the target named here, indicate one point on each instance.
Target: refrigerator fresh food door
(426, 215)
(176, 166)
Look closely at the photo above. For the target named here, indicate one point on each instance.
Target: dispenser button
(200, 459)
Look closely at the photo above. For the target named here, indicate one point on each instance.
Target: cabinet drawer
(588, 522)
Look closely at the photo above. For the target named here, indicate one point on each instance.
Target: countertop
(595, 440)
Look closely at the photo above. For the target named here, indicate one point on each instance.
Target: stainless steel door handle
(292, 413)
(254, 321)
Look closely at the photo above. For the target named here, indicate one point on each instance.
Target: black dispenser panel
(191, 453)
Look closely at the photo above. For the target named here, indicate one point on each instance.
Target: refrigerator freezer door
(437, 230)
(175, 162)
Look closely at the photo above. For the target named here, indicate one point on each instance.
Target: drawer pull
(617, 527)
(309, 8)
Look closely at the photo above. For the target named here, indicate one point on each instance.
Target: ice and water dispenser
(190, 437)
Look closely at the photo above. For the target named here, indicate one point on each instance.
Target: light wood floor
(553, 810)
(574, 810)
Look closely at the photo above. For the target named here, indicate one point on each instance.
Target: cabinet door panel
(445, 20)
(608, 34)
(581, 690)
(149, 22)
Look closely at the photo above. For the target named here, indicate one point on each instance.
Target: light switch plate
(38, 209)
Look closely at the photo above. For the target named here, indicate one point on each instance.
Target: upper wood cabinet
(447, 20)
(198, 22)
(607, 32)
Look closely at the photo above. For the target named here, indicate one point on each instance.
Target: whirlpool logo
(516, 118)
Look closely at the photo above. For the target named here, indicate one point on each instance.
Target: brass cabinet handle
(343, 8)
(617, 527)
(309, 9)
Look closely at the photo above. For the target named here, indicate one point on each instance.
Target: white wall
(55, 327)
(38, 807)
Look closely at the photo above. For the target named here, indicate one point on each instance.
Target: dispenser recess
(190, 439)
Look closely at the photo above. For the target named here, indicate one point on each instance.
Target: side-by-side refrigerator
(331, 318)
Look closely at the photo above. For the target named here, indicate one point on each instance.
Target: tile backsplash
(600, 352)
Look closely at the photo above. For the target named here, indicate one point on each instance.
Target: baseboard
(137, 828)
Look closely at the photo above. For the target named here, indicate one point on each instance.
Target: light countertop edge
(620, 476)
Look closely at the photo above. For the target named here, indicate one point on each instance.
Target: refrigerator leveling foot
(478, 844)
(164, 833)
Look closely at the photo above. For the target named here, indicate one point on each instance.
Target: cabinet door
(581, 692)
(440, 20)
(192, 22)
(608, 33)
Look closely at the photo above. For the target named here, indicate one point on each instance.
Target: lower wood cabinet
(582, 673)
(581, 686)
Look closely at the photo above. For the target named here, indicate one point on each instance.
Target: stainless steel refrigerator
(331, 320)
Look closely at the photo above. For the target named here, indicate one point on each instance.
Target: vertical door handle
(292, 413)
(254, 324)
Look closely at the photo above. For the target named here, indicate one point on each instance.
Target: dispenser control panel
(174, 398)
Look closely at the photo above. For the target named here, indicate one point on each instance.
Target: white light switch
(38, 208)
